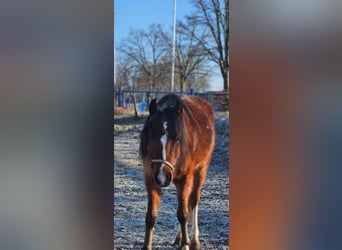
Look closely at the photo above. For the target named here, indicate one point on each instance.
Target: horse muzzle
(163, 177)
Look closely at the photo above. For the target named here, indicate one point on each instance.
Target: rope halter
(165, 162)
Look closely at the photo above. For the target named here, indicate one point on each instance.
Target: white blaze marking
(163, 141)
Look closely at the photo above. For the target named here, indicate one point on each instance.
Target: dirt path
(130, 198)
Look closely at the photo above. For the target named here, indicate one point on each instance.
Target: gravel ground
(130, 197)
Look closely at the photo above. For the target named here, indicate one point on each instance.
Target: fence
(125, 98)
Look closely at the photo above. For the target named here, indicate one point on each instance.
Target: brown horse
(176, 145)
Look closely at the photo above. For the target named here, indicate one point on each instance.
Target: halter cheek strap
(165, 162)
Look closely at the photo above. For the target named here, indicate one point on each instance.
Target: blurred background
(56, 109)
(285, 99)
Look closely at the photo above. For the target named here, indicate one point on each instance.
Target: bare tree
(200, 81)
(188, 52)
(213, 16)
(123, 74)
(147, 49)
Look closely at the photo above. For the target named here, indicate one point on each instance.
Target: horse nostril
(162, 179)
(168, 179)
(156, 179)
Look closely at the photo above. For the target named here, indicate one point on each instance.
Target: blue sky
(139, 14)
(142, 13)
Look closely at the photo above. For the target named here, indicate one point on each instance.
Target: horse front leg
(195, 197)
(151, 215)
(195, 243)
(183, 193)
(178, 239)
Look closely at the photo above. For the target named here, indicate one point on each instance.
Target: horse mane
(144, 134)
(172, 106)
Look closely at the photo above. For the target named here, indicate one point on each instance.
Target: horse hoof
(177, 241)
(186, 247)
(146, 248)
(195, 245)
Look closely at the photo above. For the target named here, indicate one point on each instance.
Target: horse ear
(179, 108)
(153, 106)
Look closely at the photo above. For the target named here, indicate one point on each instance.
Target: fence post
(148, 97)
(120, 96)
(191, 91)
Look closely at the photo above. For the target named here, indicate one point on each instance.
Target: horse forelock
(143, 147)
(170, 103)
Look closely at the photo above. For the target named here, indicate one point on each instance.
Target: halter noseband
(165, 162)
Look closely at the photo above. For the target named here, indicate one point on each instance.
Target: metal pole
(173, 47)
